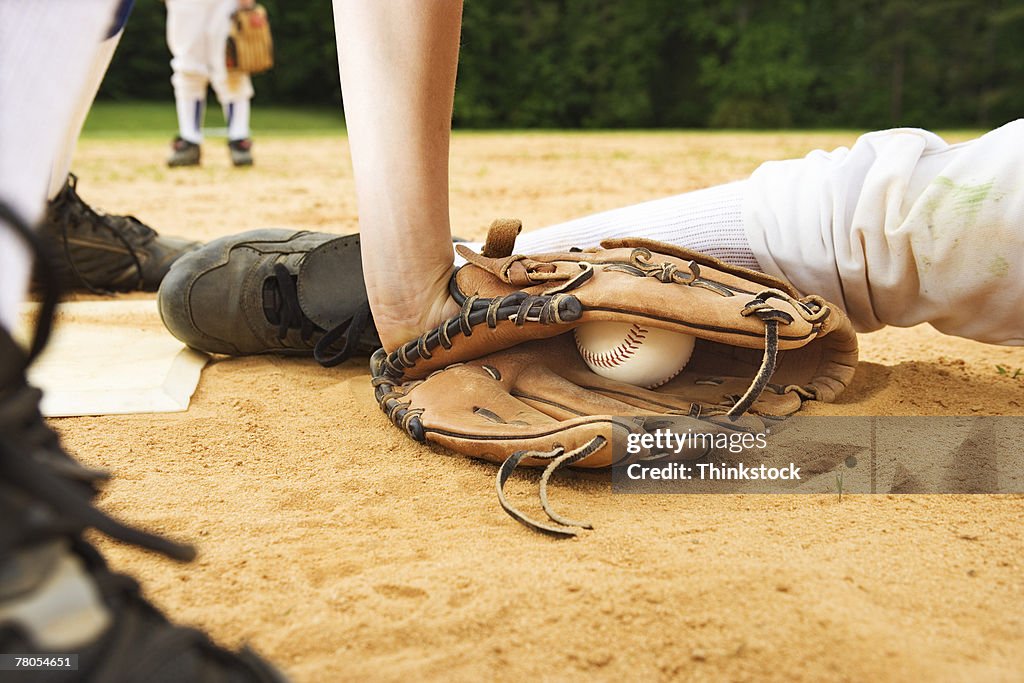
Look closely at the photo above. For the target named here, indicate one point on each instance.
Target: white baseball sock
(46, 49)
(191, 112)
(236, 113)
(709, 221)
(190, 102)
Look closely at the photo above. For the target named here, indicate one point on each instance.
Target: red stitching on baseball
(617, 354)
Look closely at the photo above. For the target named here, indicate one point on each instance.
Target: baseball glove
(503, 379)
(250, 46)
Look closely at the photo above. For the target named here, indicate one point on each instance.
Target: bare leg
(398, 61)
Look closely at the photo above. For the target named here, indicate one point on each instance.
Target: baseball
(636, 354)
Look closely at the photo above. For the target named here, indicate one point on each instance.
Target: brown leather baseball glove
(503, 380)
(250, 45)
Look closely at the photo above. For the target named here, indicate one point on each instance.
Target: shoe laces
(281, 306)
(70, 210)
(44, 471)
(54, 493)
(34, 464)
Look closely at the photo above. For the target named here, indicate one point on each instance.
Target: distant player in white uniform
(197, 33)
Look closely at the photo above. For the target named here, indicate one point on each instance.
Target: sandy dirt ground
(342, 550)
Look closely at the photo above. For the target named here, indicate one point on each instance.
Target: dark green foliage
(306, 70)
(669, 63)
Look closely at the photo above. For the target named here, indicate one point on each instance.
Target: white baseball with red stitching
(636, 354)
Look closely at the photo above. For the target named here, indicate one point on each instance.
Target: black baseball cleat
(102, 253)
(272, 291)
(183, 153)
(57, 595)
(241, 152)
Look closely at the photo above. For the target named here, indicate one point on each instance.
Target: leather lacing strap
(771, 317)
(529, 266)
(764, 373)
(518, 308)
(664, 271)
(559, 457)
(812, 309)
(586, 272)
(535, 272)
(501, 237)
(393, 402)
(642, 264)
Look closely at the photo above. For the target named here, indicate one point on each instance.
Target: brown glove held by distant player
(250, 45)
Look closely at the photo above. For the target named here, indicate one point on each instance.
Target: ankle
(397, 324)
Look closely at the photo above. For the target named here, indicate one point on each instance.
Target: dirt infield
(343, 551)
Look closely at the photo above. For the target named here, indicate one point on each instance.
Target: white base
(112, 358)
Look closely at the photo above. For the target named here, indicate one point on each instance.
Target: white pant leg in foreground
(46, 50)
(902, 229)
(94, 79)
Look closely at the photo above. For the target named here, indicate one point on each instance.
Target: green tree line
(668, 63)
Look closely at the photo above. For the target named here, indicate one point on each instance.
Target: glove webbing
(760, 307)
(554, 306)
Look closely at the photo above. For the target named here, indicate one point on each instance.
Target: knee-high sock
(234, 88)
(708, 220)
(190, 102)
(236, 113)
(46, 49)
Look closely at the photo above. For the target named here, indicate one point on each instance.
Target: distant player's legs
(237, 114)
(235, 94)
(234, 88)
(187, 26)
(190, 105)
